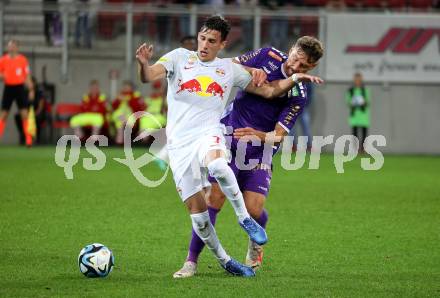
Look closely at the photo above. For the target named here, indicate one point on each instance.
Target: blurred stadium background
(404, 85)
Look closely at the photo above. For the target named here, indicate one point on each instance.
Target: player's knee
(218, 168)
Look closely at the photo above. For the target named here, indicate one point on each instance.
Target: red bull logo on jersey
(203, 86)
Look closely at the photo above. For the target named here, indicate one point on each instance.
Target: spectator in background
(82, 28)
(156, 107)
(93, 111)
(184, 26)
(189, 42)
(358, 100)
(337, 5)
(279, 26)
(247, 24)
(49, 15)
(129, 101)
(164, 28)
(15, 73)
(38, 105)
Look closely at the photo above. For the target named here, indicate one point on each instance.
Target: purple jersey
(249, 110)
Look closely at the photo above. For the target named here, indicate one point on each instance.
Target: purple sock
(262, 220)
(196, 245)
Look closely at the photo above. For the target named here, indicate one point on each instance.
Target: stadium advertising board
(384, 47)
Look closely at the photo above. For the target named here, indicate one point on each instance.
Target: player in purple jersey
(251, 116)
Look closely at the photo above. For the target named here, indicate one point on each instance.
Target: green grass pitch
(357, 234)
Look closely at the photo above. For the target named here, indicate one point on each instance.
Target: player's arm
(279, 87)
(248, 133)
(147, 72)
(259, 76)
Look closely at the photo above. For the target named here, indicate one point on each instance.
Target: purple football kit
(249, 110)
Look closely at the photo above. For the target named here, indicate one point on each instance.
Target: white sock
(205, 230)
(224, 175)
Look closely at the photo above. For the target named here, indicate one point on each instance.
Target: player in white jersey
(199, 84)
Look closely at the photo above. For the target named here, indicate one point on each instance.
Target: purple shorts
(256, 180)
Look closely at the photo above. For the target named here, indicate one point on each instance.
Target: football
(96, 260)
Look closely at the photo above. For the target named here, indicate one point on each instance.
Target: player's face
(126, 88)
(297, 62)
(94, 89)
(209, 44)
(358, 80)
(12, 47)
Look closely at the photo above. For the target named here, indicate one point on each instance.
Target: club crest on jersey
(203, 86)
(192, 59)
(220, 72)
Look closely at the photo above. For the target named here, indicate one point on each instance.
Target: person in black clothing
(38, 104)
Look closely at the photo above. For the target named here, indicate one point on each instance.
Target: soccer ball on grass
(96, 260)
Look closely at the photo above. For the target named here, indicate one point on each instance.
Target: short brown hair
(311, 46)
(217, 23)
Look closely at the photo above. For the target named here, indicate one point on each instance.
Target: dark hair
(188, 37)
(217, 23)
(128, 83)
(311, 46)
(93, 82)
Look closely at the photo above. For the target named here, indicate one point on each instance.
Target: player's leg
(23, 106)
(255, 204)
(215, 199)
(192, 194)
(6, 106)
(3, 118)
(364, 136)
(215, 160)
(255, 185)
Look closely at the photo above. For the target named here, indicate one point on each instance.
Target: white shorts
(188, 163)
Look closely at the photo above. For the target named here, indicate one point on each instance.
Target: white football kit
(197, 94)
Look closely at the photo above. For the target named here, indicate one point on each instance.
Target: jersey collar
(282, 71)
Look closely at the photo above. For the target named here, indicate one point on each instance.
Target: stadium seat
(353, 3)
(315, 2)
(63, 113)
(420, 4)
(396, 3)
(309, 26)
(375, 3)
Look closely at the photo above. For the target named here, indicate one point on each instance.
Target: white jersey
(197, 94)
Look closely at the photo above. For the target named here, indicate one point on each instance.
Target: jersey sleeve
(169, 61)
(2, 65)
(242, 78)
(294, 107)
(252, 58)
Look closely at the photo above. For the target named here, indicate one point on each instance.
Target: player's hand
(259, 77)
(248, 134)
(31, 95)
(144, 53)
(303, 77)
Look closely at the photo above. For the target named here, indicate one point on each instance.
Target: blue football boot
(238, 269)
(254, 230)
